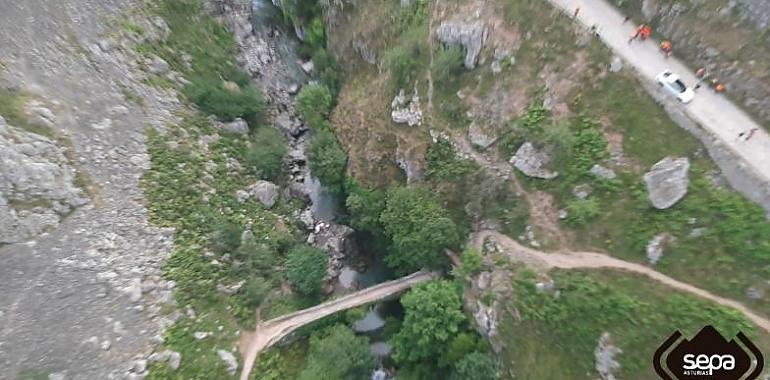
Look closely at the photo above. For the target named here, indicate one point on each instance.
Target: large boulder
(37, 184)
(604, 354)
(667, 181)
(531, 161)
(470, 36)
(265, 192)
(406, 111)
(480, 136)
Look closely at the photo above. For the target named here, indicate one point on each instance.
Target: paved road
(575, 260)
(270, 332)
(713, 112)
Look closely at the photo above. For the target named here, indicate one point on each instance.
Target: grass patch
(12, 110)
(556, 336)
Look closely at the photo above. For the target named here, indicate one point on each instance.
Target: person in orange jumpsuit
(666, 47)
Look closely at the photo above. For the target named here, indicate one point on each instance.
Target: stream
(281, 71)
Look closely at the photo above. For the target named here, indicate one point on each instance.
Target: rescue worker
(666, 47)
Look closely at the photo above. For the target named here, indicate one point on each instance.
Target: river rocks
(479, 136)
(602, 172)
(37, 183)
(470, 36)
(604, 355)
(266, 193)
(157, 66)
(582, 191)
(230, 361)
(173, 358)
(335, 240)
(405, 111)
(667, 181)
(531, 161)
(236, 127)
(655, 248)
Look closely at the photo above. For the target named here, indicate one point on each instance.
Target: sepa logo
(708, 356)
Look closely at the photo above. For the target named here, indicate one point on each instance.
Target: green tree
(476, 366)
(313, 103)
(433, 314)
(365, 206)
(325, 70)
(462, 344)
(419, 228)
(256, 291)
(327, 160)
(582, 211)
(306, 268)
(448, 63)
(265, 155)
(340, 355)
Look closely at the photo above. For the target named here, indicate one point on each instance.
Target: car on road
(675, 86)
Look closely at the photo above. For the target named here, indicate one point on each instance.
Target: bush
(589, 147)
(340, 355)
(401, 65)
(211, 97)
(265, 155)
(327, 160)
(582, 211)
(419, 228)
(471, 262)
(226, 236)
(313, 103)
(314, 33)
(448, 63)
(256, 291)
(325, 70)
(444, 164)
(432, 318)
(365, 207)
(306, 268)
(476, 366)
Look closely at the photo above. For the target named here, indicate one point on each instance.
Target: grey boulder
(667, 181)
(470, 36)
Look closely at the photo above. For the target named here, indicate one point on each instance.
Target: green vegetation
(365, 207)
(419, 229)
(264, 157)
(582, 211)
(12, 110)
(433, 317)
(476, 366)
(448, 63)
(340, 355)
(327, 160)
(306, 268)
(556, 336)
(408, 57)
(217, 86)
(313, 104)
(444, 164)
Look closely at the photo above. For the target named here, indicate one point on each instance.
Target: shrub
(432, 318)
(256, 291)
(314, 33)
(226, 236)
(365, 207)
(419, 227)
(444, 164)
(589, 147)
(476, 366)
(265, 155)
(211, 97)
(306, 268)
(582, 211)
(400, 64)
(471, 262)
(448, 63)
(340, 355)
(325, 70)
(313, 103)
(327, 160)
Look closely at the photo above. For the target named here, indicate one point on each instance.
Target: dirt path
(270, 332)
(575, 260)
(715, 113)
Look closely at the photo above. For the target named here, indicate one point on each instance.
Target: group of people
(644, 31)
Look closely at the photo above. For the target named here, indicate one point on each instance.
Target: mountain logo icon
(708, 356)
